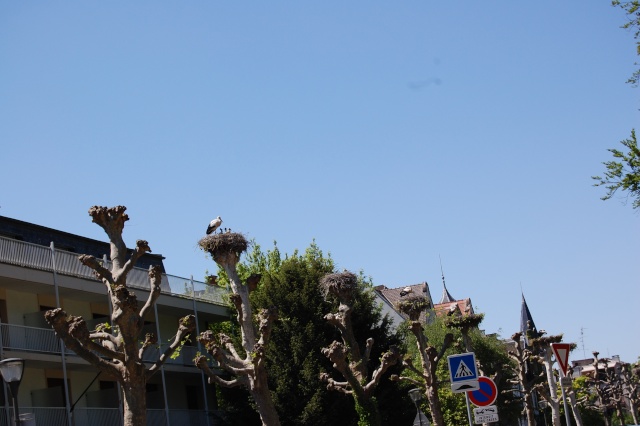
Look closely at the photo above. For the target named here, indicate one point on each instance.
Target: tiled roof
(393, 295)
(463, 307)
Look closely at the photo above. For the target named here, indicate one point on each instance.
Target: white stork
(213, 225)
(406, 291)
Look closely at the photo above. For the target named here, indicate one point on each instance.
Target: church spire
(526, 320)
(446, 296)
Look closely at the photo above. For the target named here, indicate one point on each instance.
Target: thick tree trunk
(368, 412)
(529, 410)
(262, 396)
(248, 369)
(434, 405)
(135, 402)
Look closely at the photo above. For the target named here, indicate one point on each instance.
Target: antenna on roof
(442, 271)
(584, 354)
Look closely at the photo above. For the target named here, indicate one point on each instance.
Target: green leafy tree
(632, 10)
(587, 400)
(293, 355)
(623, 172)
(491, 354)
(423, 353)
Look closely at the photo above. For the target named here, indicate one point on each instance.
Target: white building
(39, 270)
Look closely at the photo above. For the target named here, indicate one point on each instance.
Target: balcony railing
(57, 416)
(39, 257)
(43, 340)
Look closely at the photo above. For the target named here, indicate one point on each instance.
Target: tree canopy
(293, 355)
(623, 172)
(632, 10)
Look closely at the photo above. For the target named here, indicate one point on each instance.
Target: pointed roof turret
(446, 296)
(526, 320)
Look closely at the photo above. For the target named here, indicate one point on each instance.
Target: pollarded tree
(247, 365)
(116, 350)
(526, 379)
(610, 387)
(348, 356)
(429, 356)
(294, 358)
(491, 356)
(542, 345)
(630, 378)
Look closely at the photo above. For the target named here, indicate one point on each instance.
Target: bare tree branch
(66, 327)
(101, 272)
(155, 279)
(186, 326)
(201, 363)
(142, 247)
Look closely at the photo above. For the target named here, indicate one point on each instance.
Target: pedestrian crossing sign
(463, 372)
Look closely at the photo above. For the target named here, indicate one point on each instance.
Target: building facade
(39, 270)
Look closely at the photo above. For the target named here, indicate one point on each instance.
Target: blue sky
(394, 133)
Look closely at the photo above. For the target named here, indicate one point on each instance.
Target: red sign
(561, 351)
(487, 393)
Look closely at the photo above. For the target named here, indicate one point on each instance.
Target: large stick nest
(342, 285)
(464, 321)
(220, 246)
(413, 306)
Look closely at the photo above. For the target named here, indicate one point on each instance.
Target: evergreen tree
(293, 356)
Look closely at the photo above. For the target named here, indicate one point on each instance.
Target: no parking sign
(486, 394)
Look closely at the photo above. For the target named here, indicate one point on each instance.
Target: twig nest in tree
(540, 342)
(342, 285)
(464, 321)
(224, 247)
(413, 306)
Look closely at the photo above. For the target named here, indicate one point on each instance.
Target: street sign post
(485, 414)
(486, 394)
(463, 372)
(561, 352)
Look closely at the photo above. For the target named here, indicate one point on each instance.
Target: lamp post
(420, 420)
(12, 370)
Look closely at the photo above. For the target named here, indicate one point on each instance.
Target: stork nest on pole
(221, 246)
(342, 285)
(413, 306)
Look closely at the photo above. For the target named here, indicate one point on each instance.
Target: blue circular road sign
(487, 393)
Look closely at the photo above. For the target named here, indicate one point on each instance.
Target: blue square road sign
(463, 372)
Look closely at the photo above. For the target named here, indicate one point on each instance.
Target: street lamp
(420, 420)
(12, 370)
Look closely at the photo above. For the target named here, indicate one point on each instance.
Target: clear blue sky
(394, 133)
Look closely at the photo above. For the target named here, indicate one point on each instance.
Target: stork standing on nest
(213, 225)
(406, 291)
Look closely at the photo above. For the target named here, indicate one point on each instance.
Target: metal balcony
(39, 257)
